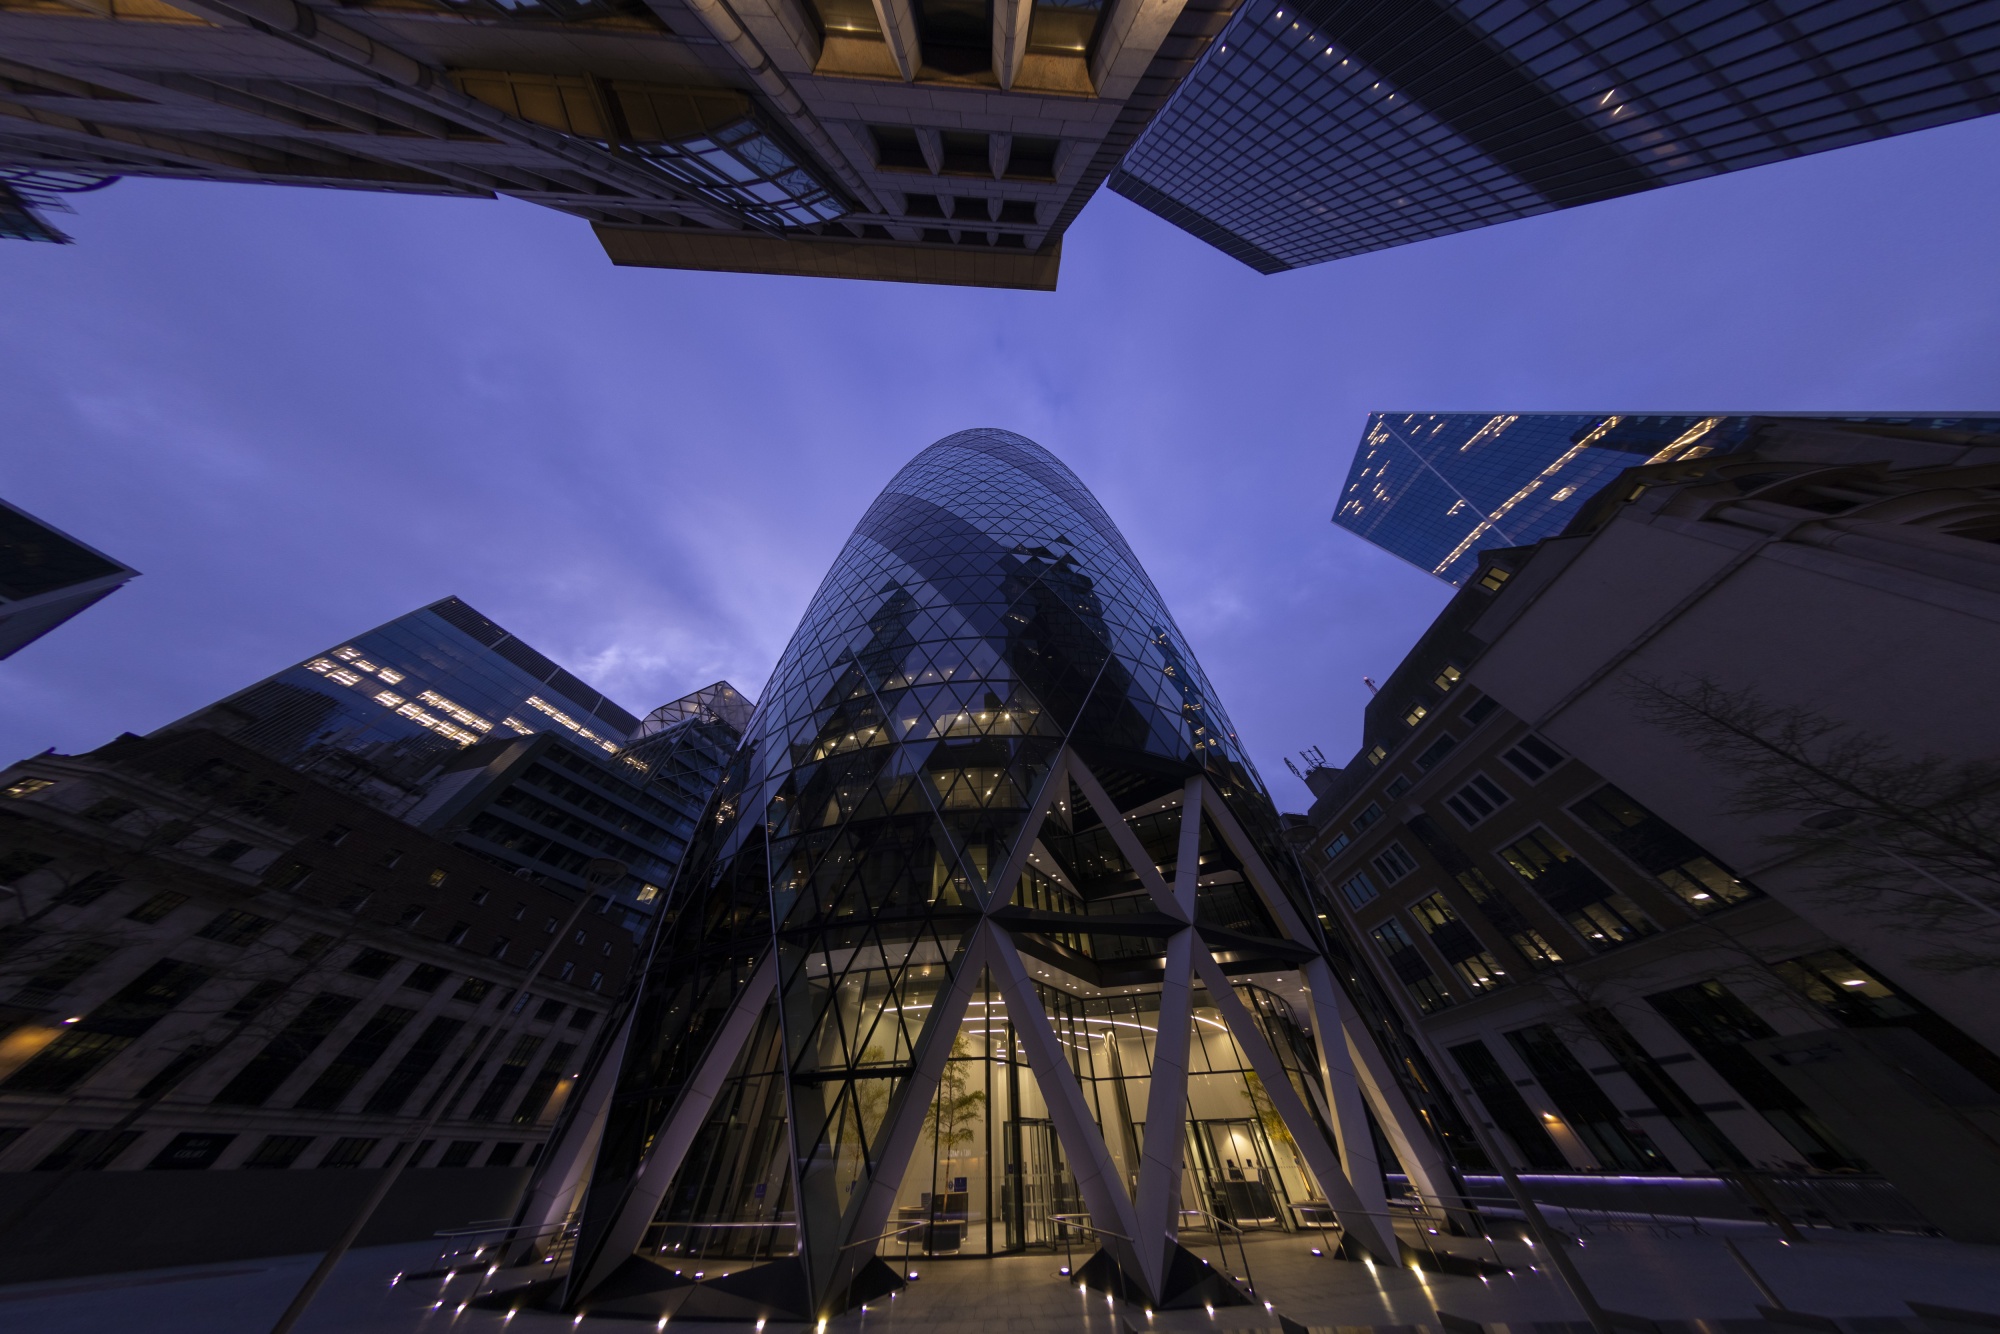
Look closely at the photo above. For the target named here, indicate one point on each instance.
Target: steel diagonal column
(1166, 1117)
(562, 1172)
(1355, 1220)
(1345, 1100)
(1409, 1137)
(1000, 889)
(1187, 861)
(1128, 842)
(670, 1145)
(907, 1121)
(1103, 1195)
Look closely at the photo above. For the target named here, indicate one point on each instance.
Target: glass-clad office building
(1438, 488)
(990, 939)
(379, 715)
(446, 720)
(1318, 130)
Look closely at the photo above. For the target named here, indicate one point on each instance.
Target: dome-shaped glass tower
(989, 936)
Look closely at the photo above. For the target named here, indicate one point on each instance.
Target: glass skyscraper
(445, 719)
(990, 937)
(1438, 488)
(46, 577)
(379, 714)
(1318, 130)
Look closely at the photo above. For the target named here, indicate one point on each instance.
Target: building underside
(913, 140)
(990, 944)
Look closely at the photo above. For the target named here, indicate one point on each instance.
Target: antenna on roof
(1369, 681)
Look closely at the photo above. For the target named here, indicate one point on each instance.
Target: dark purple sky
(303, 412)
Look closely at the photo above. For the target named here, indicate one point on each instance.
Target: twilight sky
(302, 412)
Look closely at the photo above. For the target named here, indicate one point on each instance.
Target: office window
(1032, 158)
(1393, 863)
(426, 977)
(506, 1078)
(411, 1069)
(236, 927)
(582, 1018)
(1480, 710)
(1377, 754)
(1611, 1138)
(313, 946)
(109, 809)
(356, 1059)
(1397, 786)
(1495, 578)
(1509, 1110)
(1416, 715)
(27, 787)
(156, 908)
(259, 1079)
(336, 835)
(350, 1151)
(1369, 815)
(472, 990)
(253, 1001)
(89, 1150)
(1531, 757)
(278, 1152)
(87, 890)
(503, 1155)
(1476, 800)
(1463, 950)
(1401, 954)
(1335, 846)
(372, 963)
(1428, 757)
(1660, 850)
(1447, 678)
(191, 1152)
(459, 1153)
(62, 972)
(896, 147)
(1593, 909)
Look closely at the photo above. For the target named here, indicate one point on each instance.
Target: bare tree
(1910, 842)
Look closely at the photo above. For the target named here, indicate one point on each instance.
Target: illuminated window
(1447, 678)
(457, 711)
(348, 654)
(647, 893)
(1492, 580)
(1415, 715)
(537, 702)
(320, 665)
(342, 675)
(390, 699)
(363, 665)
(27, 787)
(1377, 755)
(390, 675)
(518, 725)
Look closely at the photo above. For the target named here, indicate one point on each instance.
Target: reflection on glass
(1063, 27)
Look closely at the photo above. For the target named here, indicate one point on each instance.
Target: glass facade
(1320, 130)
(379, 715)
(989, 941)
(1438, 488)
(446, 720)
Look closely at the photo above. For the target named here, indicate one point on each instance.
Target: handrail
(1085, 1226)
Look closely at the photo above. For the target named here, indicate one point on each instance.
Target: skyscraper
(446, 720)
(1329, 128)
(915, 140)
(46, 576)
(989, 889)
(1438, 488)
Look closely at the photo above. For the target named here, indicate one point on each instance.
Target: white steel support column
(1161, 1156)
(1412, 1142)
(551, 1197)
(670, 1145)
(1089, 1158)
(1355, 1220)
(893, 1154)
